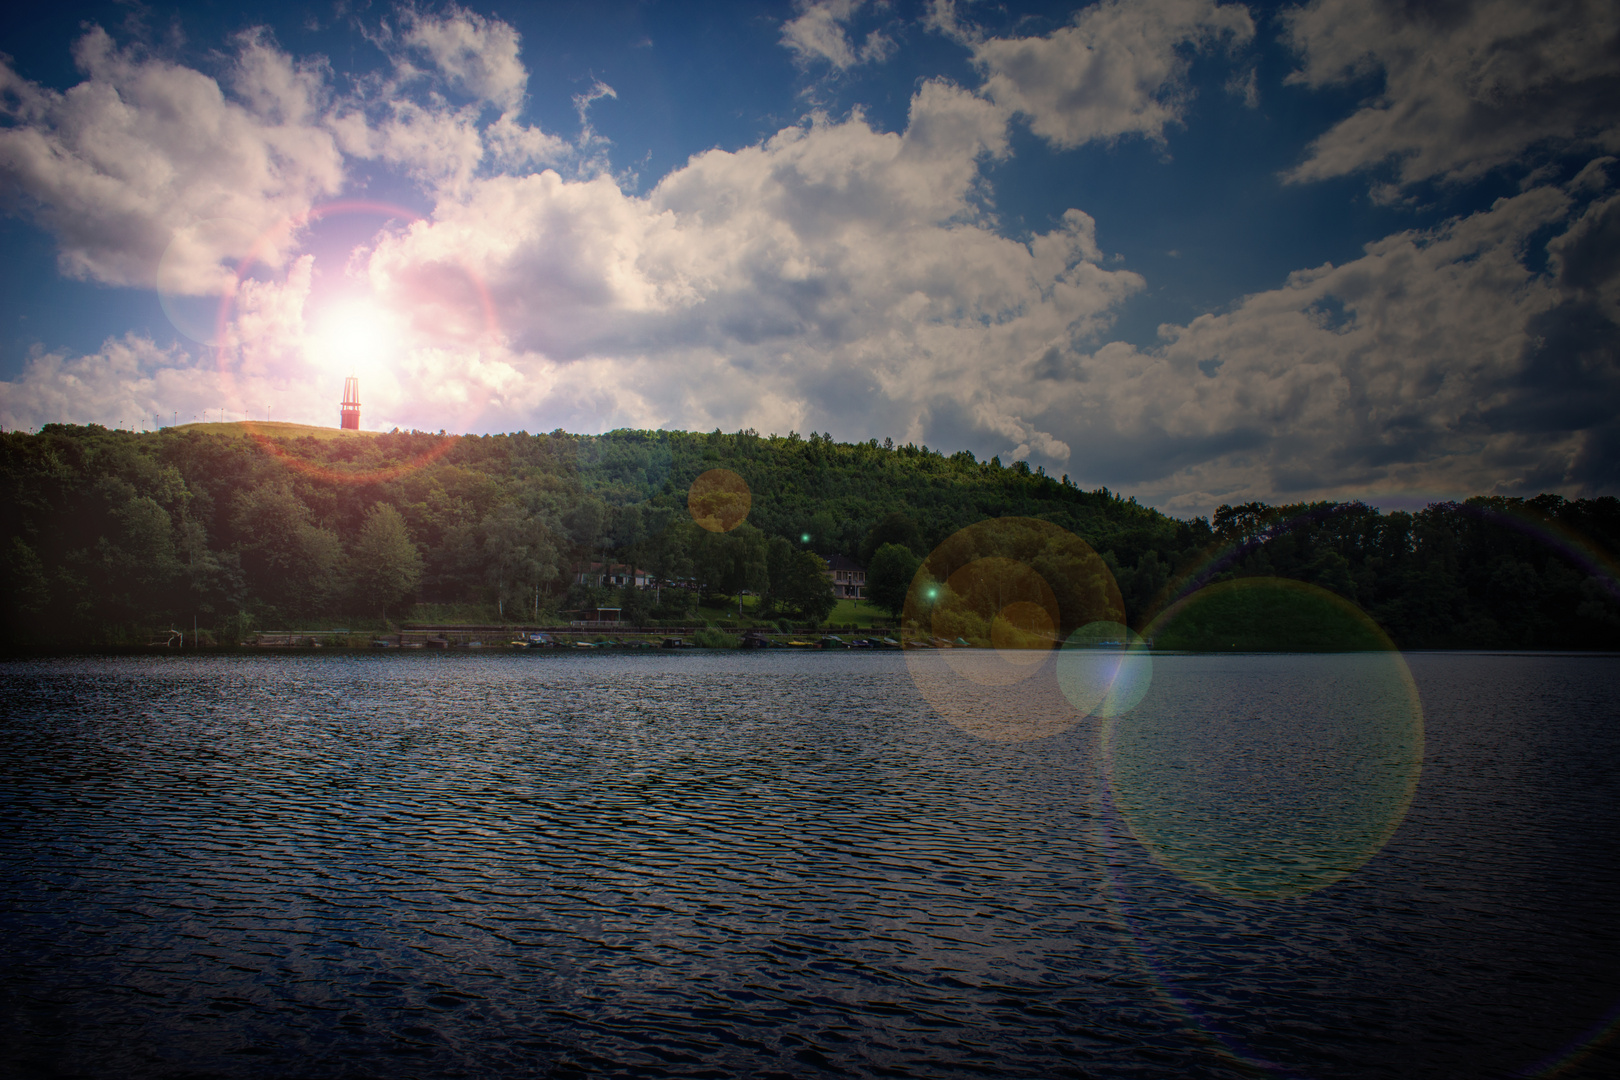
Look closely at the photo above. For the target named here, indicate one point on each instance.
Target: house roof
(839, 562)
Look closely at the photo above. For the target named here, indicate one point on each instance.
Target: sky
(1195, 252)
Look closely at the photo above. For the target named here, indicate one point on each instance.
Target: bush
(710, 638)
(676, 604)
(237, 629)
(635, 605)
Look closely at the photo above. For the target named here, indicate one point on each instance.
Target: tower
(350, 420)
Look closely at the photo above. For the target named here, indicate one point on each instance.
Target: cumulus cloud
(129, 382)
(1467, 86)
(143, 148)
(408, 116)
(833, 275)
(1119, 68)
(152, 174)
(1438, 361)
(820, 33)
(439, 146)
(478, 56)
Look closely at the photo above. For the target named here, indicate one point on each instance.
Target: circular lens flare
(983, 618)
(1105, 668)
(719, 500)
(1255, 793)
(192, 280)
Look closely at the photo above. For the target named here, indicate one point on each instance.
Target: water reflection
(1242, 788)
(737, 864)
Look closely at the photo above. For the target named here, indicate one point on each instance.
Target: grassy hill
(275, 429)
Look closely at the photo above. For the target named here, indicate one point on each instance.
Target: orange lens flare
(719, 500)
(983, 619)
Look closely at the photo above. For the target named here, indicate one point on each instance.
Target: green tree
(778, 558)
(888, 578)
(290, 562)
(387, 565)
(138, 560)
(23, 587)
(807, 589)
(668, 553)
(729, 562)
(896, 528)
(635, 605)
(520, 557)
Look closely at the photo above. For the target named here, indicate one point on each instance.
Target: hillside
(110, 533)
(272, 429)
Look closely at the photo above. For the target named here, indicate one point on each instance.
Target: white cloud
(409, 117)
(435, 144)
(819, 33)
(1119, 69)
(143, 148)
(833, 276)
(477, 55)
(127, 383)
(514, 146)
(1436, 362)
(1467, 86)
(152, 174)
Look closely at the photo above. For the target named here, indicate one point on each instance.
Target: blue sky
(1198, 252)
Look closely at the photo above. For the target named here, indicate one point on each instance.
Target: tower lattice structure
(350, 416)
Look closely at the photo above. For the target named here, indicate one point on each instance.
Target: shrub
(710, 638)
(237, 629)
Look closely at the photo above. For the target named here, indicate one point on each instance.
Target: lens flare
(1104, 669)
(192, 285)
(719, 500)
(983, 618)
(446, 306)
(1253, 794)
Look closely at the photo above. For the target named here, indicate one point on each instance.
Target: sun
(356, 337)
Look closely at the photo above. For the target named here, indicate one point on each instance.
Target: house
(848, 578)
(615, 574)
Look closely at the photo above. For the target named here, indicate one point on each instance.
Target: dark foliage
(110, 536)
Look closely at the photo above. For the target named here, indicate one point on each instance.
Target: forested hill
(108, 534)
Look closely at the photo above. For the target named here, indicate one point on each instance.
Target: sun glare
(355, 337)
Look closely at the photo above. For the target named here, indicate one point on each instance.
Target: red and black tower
(350, 420)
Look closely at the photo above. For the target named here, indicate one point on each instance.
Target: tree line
(109, 534)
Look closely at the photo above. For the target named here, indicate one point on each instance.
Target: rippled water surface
(787, 865)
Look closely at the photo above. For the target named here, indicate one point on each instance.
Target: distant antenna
(351, 404)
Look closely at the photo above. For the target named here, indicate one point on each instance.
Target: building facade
(848, 578)
(615, 575)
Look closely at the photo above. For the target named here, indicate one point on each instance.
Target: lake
(707, 864)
